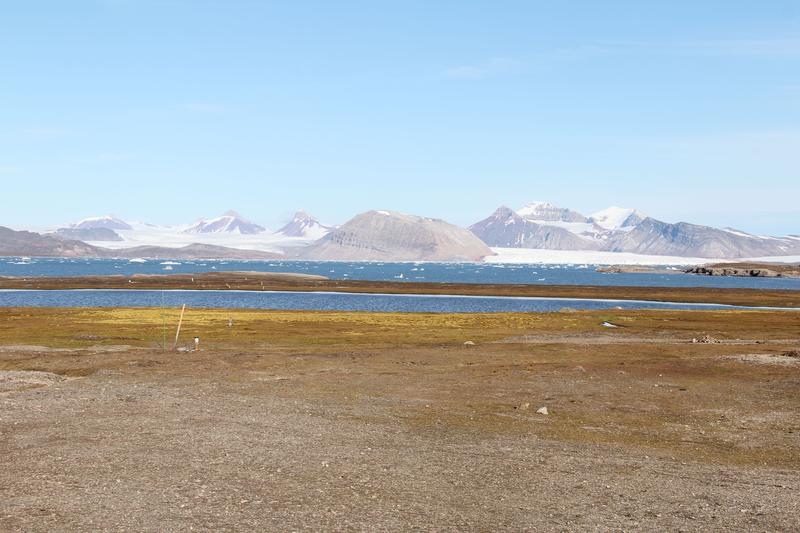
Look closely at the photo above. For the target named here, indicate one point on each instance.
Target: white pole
(177, 333)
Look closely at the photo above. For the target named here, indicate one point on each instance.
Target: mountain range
(230, 222)
(304, 226)
(394, 236)
(27, 243)
(545, 226)
(105, 222)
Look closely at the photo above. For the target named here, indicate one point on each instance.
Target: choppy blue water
(430, 272)
(322, 301)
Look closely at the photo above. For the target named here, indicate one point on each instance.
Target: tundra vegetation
(394, 421)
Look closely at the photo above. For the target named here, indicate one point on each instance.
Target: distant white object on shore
(570, 257)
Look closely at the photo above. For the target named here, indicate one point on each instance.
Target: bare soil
(360, 421)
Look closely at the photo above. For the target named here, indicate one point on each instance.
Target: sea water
(321, 301)
(543, 274)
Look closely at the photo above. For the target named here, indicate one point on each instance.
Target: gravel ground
(121, 450)
(374, 422)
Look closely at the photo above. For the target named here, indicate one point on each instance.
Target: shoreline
(729, 269)
(248, 281)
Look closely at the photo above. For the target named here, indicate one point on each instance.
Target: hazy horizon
(174, 110)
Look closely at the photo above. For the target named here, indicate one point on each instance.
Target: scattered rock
(107, 372)
(706, 339)
(542, 411)
(792, 353)
(12, 380)
(469, 343)
(30, 376)
(609, 325)
(744, 270)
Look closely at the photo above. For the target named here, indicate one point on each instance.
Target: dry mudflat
(360, 421)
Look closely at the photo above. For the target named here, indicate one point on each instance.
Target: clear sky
(169, 110)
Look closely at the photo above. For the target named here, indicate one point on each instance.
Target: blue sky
(169, 110)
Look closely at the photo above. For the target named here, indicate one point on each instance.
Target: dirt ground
(360, 421)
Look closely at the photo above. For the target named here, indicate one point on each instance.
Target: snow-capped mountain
(305, 226)
(26, 243)
(547, 212)
(507, 229)
(229, 231)
(617, 218)
(230, 222)
(109, 222)
(538, 231)
(544, 226)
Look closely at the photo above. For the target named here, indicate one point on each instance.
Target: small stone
(542, 411)
(469, 343)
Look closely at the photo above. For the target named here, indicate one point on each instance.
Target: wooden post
(177, 333)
